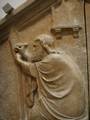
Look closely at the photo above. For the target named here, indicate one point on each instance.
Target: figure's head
(37, 49)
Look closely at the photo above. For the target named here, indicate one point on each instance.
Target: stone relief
(55, 85)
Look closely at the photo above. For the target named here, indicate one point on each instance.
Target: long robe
(60, 88)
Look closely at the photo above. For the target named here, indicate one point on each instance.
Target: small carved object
(60, 91)
(8, 9)
(66, 30)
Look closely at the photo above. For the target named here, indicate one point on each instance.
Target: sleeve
(33, 70)
(28, 68)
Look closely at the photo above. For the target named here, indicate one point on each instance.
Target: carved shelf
(66, 30)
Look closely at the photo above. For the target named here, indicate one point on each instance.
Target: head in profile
(36, 50)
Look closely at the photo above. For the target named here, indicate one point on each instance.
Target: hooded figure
(61, 91)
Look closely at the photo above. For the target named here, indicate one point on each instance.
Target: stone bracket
(66, 30)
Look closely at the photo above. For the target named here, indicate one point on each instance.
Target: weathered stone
(18, 93)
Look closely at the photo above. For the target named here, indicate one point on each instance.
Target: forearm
(27, 67)
(23, 63)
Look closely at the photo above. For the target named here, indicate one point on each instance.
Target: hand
(19, 47)
(17, 57)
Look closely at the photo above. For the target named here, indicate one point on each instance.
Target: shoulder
(52, 57)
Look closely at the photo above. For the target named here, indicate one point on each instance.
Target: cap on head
(45, 39)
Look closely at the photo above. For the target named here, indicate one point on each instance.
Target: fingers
(17, 56)
(19, 46)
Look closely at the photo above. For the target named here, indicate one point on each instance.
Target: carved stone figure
(60, 89)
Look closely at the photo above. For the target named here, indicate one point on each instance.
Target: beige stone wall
(87, 9)
(9, 86)
(69, 13)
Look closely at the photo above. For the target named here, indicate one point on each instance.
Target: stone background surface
(87, 9)
(8, 85)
